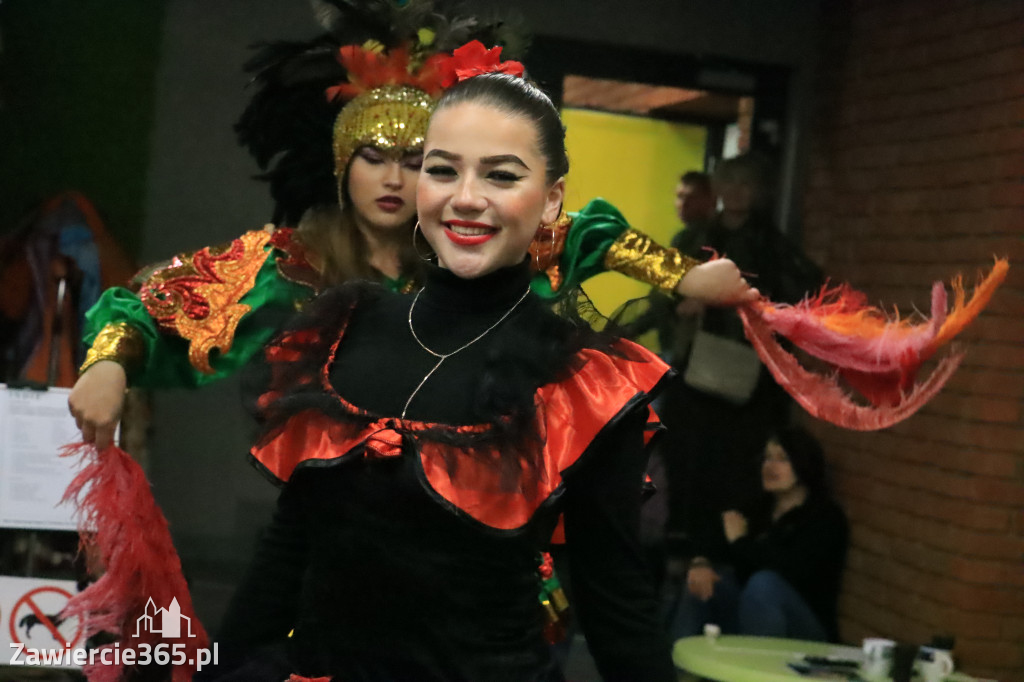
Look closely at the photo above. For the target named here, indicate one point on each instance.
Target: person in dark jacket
(780, 576)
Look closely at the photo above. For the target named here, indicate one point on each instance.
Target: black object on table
(903, 662)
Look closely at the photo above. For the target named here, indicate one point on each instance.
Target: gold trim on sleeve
(117, 341)
(636, 255)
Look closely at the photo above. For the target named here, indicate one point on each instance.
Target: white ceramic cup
(878, 654)
(933, 665)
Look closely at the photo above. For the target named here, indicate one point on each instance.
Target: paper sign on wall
(34, 425)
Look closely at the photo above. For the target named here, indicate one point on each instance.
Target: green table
(733, 658)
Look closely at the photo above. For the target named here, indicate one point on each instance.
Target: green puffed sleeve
(598, 239)
(197, 320)
(585, 238)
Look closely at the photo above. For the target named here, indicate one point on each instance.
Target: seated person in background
(781, 573)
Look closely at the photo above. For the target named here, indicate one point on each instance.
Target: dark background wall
(76, 106)
(917, 172)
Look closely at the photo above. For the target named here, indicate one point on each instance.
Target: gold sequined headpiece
(392, 117)
(394, 94)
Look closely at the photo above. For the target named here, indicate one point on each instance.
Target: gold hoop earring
(539, 237)
(551, 241)
(415, 248)
(544, 237)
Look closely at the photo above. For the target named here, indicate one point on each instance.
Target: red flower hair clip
(473, 59)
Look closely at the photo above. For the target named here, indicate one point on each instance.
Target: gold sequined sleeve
(636, 255)
(117, 341)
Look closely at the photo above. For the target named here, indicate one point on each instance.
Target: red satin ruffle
(571, 413)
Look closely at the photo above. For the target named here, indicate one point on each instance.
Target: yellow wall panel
(635, 163)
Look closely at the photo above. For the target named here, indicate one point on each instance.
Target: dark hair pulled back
(520, 97)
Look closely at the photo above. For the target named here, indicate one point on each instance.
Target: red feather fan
(878, 355)
(122, 525)
(823, 397)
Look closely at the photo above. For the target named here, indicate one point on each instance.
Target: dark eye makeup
(440, 170)
(371, 155)
(504, 176)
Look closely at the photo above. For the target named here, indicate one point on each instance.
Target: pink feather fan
(876, 354)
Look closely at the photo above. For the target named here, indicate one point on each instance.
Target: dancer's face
(382, 186)
(483, 191)
(777, 475)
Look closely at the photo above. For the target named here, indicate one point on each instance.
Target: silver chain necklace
(444, 356)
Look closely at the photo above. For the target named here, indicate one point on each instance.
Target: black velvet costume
(384, 572)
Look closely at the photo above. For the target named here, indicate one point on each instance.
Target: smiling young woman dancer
(427, 443)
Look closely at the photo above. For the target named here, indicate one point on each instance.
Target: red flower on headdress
(434, 73)
(368, 69)
(473, 59)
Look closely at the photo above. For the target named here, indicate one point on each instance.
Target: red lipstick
(389, 203)
(477, 234)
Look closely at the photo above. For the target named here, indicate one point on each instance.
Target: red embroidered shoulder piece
(197, 295)
(292, 261)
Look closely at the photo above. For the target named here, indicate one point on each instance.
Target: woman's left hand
(734, 524)
(717, 282)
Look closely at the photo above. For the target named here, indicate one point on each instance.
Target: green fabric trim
(396, 284)
(594, 229)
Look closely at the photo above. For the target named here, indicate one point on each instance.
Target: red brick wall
(917, 173)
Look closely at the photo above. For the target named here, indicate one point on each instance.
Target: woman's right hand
(96, 402)
(700, 581)
(717, 282)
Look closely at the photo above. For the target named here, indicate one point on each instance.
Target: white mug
(878, 654)
(933, 665)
